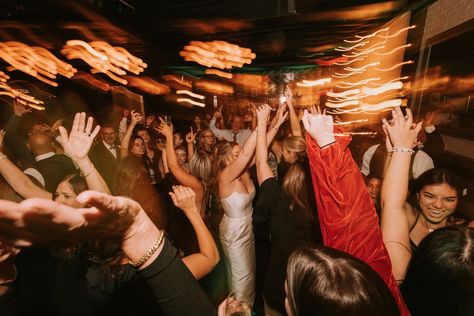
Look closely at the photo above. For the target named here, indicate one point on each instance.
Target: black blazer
(54, 169)
(104, 161)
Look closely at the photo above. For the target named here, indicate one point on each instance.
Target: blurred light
(348, 84)
(218, 73)
(345, 49)
(148, 85)
(191, 94)
(218, 54)
(21, 97)
(103, 58)
(312, 83)
(395, 66)
(376, 91)
(398, 32)
(393, 50)
(343, 94)
(186, 100)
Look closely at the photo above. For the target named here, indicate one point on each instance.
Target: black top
(290, 228)
(52, 286)
(54, 169)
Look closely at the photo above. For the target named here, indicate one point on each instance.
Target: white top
(421, 163)
(228, 135)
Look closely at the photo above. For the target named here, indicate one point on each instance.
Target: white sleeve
(122, 127)
(421, 163)
(219, 133)
(365, 169)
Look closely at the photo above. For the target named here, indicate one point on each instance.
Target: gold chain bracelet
(137, 264)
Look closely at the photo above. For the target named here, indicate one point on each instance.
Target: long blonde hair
(295, 144)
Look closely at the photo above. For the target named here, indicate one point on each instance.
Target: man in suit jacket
(105, 153)
(52, 167)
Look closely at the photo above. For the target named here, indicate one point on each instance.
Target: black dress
(290, 228)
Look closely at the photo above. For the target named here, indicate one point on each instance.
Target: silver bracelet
(403, 150)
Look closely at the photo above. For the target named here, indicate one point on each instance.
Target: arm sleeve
(346, 212)
(219, 133)
(173, 287)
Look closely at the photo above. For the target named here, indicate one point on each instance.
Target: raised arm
(346, 212)
(219, 133)
(235, 169)
(77, 145)
(394, 190)
(19, 181)
(135, 118)
(190, 137)
(202, 263)
(184, 177)
(294, 120)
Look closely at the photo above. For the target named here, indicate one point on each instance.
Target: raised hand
(320, 126)
(288, 95)
(281, 115)
(402, 131)
(191, 136)
(164, 129)
(218, 115)
(20, 109)
(79, 141)
(135, 117)
(263, 113)
(184, 198)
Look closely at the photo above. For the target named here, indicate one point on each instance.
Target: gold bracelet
(137, 264)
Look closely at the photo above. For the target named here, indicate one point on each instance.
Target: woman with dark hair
(440, 276)
(326, 281)
(288, 211)
(438, 193)
(137, 146)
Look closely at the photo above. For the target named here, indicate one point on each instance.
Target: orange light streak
(393, 80)
(339, 75)
(365, 52)
(363, 67)
(373, 34)
(348, 84)
(393, 50)
(398, 32)
(395, 66)
(376, 91)
(345, 49)
(186, 100)
(348, 62)
(191, 94)
(351, 122)
(343, 104)
(312, 83)
(219, 73)
(343, 94)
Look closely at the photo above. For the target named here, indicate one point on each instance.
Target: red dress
(346, 212)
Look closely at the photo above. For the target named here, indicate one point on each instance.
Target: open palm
(79, 141)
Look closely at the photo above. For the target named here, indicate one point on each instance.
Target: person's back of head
(40, 144)
(326, 281)
(440, 277)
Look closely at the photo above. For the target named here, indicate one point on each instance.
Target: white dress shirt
(240, 137)
(421, 162)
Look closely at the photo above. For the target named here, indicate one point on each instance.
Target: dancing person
(236, 133)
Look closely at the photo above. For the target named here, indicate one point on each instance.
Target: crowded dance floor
(236, 157)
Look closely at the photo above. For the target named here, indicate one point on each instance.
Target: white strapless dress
(237, 239)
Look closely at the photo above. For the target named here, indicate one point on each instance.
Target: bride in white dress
(236, 192)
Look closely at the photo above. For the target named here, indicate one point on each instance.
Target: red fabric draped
(346, 212)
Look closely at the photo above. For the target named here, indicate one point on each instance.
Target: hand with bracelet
(402, 132)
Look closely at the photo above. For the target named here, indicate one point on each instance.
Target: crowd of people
(136, 218)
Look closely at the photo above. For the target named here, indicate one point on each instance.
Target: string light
(345, 49)
(363, 67)
(395, 66)
(186, 100)
(393, 80)
(398, 32)
(349, 62)
(393, 50)
(373, 34)
(191, 94)
(351, 122)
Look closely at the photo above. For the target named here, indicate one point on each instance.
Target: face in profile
(437, 202)
(108, 135)
(235, 152)
(181, 156)
(374, 186)
(138, 148)
(65, 195)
